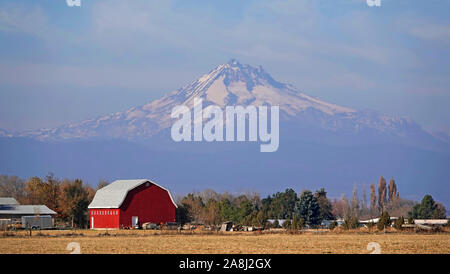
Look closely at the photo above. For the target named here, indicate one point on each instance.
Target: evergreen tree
(427, 209)
(384, 221)
(325, 207)
(399, 222)
(308, 208)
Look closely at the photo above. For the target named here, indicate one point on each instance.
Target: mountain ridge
(232, 83)
(321, 144)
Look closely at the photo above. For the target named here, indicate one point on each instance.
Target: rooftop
(26, 210)
(113, 195)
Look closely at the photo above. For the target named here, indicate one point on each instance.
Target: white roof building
(114, 194)
(431, 222)
(10, 208)
(26, 210)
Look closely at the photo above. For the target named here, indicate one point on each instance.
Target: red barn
(125, 203)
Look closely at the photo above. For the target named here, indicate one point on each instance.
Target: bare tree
(13, 186)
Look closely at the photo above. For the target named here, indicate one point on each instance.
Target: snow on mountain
(229, 84)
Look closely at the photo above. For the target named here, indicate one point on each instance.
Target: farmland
(171, 242)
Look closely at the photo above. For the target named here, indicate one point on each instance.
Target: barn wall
(105, 218)
(150, 203)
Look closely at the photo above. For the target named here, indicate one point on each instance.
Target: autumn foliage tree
(393, 194)
(74, 202)
(373, 198)
(382, 193)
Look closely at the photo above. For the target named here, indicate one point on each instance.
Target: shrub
(333, 225)
(286, 224)
(351, 223)
(385, 220)
(399, 222)
(276, 224)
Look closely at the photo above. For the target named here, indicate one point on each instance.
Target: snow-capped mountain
(232, 84)
(321, 144)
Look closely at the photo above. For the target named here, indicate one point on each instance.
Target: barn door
(92, 222)
(134, 221)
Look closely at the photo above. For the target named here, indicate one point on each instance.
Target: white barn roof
(8, 201)
(26, 210)
(113, 195)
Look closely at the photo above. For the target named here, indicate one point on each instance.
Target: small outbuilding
(130, 203)
(12, 212)
(11, 209)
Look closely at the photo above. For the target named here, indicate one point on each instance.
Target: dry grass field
(170, 242)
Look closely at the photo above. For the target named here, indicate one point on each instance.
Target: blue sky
(62, 64)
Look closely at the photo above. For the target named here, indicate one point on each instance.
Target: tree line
(70, 199)
(304, 208)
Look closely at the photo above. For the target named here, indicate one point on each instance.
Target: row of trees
(428, 209)
(383, 198)
(68, 198)
(211, 208)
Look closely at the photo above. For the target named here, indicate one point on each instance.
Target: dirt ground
(171, 242)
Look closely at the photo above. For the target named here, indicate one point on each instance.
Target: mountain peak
(233, 62)
(228, 84)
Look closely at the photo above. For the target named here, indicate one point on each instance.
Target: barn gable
(114, 194)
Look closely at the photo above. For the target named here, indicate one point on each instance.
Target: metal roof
(8, 201)
(113, 195)
(431, 221)
(26, 210)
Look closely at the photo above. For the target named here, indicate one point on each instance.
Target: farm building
(11, 211)
(127, 203)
